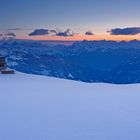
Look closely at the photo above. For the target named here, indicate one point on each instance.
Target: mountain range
(87, 61)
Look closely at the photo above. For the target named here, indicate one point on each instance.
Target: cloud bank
(42, 32)
(125, 31)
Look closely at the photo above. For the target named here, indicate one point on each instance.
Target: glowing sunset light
(70, 20)
(83, 37)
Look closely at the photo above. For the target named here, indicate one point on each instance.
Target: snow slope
(41, 108)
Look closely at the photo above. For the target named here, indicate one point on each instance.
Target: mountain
(36, 107)
(87, 61)
(128, 72)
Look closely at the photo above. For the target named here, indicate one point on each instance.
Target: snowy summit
(42, 108)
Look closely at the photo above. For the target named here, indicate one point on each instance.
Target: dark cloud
(57, 32)
(7, 36)
(66, 33)
(39, 32)
(89, 33)
(125, 31)
(10, 34)
(53, 31)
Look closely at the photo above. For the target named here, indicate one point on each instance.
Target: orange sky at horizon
(84, 37)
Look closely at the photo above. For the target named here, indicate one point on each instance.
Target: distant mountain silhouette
(88, 61)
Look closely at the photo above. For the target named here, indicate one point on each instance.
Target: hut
(2, 63)
(3, 66)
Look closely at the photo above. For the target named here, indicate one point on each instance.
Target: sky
(70, 19)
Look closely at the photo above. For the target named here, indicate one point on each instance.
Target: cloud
(39, 32)
(19, 29)
(15, 29)
(66, 33)
(7, 36)
(125, 31)
(10, 34)
(57, 32)
(89, 33)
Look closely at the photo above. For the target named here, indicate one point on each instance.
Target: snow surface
(42, 108)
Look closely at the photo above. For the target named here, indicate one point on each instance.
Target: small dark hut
(2, 63)
(3, 66)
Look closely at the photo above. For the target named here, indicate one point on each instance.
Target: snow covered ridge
(88, 61)
(41, 108)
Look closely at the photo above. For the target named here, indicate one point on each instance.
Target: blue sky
(80, 16)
